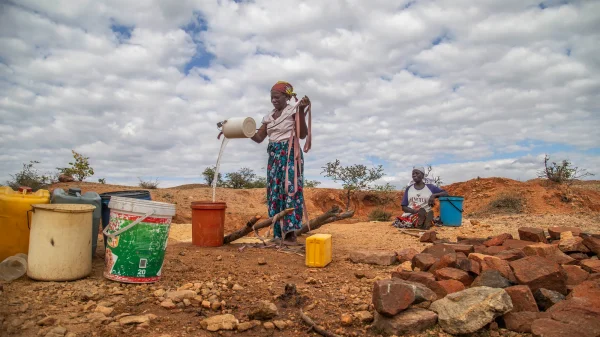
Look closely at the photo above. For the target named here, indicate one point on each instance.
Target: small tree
(209, 175)
(385, 194)
(243, 178)
(563, 172)
(311, 183)
(436, 180)
(30, 177)
(80, 167)
(260, 182)
(354, 178)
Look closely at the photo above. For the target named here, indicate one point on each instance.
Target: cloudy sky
(475, 88)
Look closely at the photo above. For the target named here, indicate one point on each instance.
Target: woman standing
(283, 127)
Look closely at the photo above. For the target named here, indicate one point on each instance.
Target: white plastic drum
(239, 127)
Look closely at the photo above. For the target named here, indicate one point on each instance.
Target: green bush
(379, 214)
(30, 177)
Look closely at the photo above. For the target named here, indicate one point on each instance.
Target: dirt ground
(324, 293)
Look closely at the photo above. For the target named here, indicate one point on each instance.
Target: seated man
(417, 201)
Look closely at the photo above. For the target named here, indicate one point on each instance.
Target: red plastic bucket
(208, 223)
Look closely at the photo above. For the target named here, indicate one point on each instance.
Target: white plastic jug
(239, 127)
(13, 267)
(60, 242)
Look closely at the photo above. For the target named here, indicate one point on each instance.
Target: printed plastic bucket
(451, 209)
(137, 235)
(105, 197)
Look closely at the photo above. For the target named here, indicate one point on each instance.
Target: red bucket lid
(208, 205)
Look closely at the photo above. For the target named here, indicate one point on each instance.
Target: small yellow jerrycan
(318, 250)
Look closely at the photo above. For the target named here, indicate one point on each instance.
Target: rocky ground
(260, 292)
(248, 287)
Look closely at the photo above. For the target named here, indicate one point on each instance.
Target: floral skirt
(277, 196)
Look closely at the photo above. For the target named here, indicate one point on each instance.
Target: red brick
(538, 272)
(411, 275)
(451, 286)
(532, 234)
(555, 231)
(406, 254)
(573, 245)
(498, 240)
(423, 278)
(516, 244)
(545, 327)
(479, 249)
(520, 321)
(471, 241)
(495, 250)
(454, 274)
(423, 261)
(593, 244)
(389, 297)
(575, 275)
(578, 311)
(589, 290)
(377, 257)
(448, 260)
(429, 236)
(511, 255)
(579, 256)
(548, 251)
(477, 257)
(522, 298)
(494, 263)
(468, 265)
(439, 250)
(460, 248)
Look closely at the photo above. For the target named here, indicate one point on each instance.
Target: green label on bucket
(136, 255)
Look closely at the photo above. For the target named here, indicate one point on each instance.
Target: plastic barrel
(141, 194)
(451, 209)
(208, 223)
(137, 233)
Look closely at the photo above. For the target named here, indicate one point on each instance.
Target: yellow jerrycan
(15, 218)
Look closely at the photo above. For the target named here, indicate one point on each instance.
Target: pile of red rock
(544, 285)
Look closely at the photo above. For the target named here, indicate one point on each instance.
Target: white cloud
(502, 80)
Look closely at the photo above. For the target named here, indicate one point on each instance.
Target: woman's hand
(304, 102)
(431, 200)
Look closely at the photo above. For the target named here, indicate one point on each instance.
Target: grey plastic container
(74, 196)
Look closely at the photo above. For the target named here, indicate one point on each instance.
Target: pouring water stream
(216, 175)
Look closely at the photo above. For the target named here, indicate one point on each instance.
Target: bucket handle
(126, 228)
(32, 210)
(453, 205)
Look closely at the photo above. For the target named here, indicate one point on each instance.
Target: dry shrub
(379, 214)
(508, 203)
(149, 185)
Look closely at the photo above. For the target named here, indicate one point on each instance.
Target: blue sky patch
(121, 31)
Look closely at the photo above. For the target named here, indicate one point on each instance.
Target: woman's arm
(407, 209)
(261, 134)
(303, 127)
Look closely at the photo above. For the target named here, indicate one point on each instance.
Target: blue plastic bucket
(451, 209)
(141, 195)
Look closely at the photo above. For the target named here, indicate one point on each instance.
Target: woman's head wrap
(284, 87)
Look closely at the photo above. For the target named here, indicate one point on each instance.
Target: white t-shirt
(417, 199)
(280, 129)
